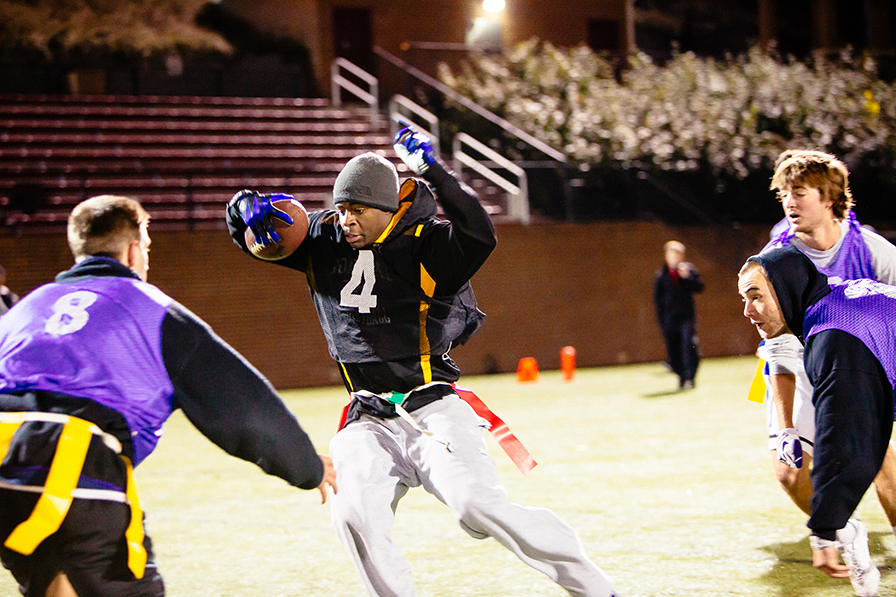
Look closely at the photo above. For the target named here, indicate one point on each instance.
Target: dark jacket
(424, 304)
(673, 296)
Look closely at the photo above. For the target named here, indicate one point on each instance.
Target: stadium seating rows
(181, 157)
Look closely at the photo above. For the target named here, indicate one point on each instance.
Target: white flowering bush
(730, 118)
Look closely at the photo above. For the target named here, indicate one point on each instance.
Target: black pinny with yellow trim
(391, 312)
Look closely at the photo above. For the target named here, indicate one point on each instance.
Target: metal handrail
(395, 116)
(339, 82)
(518, 201)
(471, 105)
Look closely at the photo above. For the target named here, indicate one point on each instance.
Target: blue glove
(414, 149)
(256, 210)
(790, 450)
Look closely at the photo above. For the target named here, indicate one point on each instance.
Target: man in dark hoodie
(849, 333)
(391, 285)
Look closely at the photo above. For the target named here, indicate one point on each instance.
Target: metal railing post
(338, 82)
(518, 201)
(472, 106)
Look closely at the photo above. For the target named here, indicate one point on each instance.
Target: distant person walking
(673, 289)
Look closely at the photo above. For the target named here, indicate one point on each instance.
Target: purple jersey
(97, 338)
(864, 309)
(853, 260)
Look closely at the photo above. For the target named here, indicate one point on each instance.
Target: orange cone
(568, 362)
(527, 370)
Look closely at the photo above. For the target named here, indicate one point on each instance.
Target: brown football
(291, 236)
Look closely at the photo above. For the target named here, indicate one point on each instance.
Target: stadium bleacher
(182, 157)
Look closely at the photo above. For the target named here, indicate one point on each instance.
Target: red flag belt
(511, 445)
(500, 431)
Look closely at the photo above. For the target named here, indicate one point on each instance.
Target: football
(291, 236)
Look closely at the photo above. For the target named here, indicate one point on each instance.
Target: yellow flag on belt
(757, 388)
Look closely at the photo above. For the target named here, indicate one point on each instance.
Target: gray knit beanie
(368, 179)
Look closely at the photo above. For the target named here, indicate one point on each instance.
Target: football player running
(391, 285)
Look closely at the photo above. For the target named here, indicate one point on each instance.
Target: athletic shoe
(863, 574)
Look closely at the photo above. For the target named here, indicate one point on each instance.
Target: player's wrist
(437, 173)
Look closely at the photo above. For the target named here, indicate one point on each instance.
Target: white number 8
(69, 313)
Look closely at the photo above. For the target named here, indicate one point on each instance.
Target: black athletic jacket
(392, 311)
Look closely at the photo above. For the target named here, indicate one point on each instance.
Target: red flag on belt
(501, 432)
(499, 429)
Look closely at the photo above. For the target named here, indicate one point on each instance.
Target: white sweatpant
(378, 460)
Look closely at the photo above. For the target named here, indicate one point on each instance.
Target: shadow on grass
(794, 576)
(664, 393)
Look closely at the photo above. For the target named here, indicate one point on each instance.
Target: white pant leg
(466, 480)
(367, 458)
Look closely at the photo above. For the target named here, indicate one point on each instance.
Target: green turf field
(672, 493)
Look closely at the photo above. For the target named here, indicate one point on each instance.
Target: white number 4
(363, 278)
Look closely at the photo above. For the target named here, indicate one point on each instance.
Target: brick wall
(545, 287)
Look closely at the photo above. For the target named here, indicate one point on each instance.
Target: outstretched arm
(854, 418)
(470, 239)
(785, 360)
(233, 405)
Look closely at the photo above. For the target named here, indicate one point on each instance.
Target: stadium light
(493, 5)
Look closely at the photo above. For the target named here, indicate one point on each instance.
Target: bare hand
(329, 479)
(684, 270)
(828, 561)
